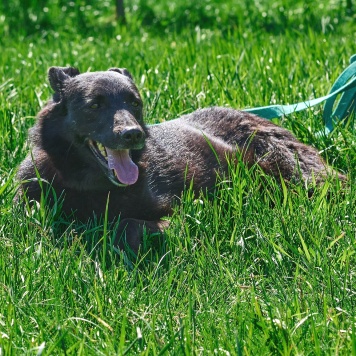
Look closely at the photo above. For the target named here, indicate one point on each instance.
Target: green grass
(255, 268)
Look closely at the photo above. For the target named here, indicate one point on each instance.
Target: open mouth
(116, 164)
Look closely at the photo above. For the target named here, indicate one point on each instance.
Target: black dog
(90, 143)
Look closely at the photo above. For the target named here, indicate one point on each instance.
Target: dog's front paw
(131, 232)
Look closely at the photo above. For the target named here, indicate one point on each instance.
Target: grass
(252, 268)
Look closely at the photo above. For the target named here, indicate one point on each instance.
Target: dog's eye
(135, 104)
(94, 106)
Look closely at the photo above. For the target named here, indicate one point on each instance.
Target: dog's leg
(131, 231)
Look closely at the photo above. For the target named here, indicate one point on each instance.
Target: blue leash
(345, 84)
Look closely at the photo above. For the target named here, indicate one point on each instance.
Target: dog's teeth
(102, 149)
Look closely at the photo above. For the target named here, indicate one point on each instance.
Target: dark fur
(174, 152)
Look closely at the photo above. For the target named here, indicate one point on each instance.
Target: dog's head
(103, 111)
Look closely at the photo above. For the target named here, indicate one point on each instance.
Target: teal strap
(345, 84)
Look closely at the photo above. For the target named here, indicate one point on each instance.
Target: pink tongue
(120, 161)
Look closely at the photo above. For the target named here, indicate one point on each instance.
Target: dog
(90, 145)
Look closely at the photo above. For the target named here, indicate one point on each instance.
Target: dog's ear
(57, 76)
(122, 71)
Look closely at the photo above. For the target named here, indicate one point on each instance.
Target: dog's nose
(133, 135)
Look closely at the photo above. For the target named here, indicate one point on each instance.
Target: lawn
(254, 268)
